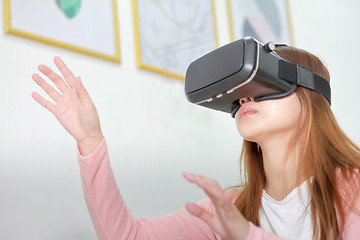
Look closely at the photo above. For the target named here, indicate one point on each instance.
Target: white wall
(153, 137)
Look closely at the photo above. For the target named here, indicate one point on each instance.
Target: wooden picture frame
(88, 27)
(265, 20)
(171, 34)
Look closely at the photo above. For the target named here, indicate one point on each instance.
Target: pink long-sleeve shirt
(113, 220)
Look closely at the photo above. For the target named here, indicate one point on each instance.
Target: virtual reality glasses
(246, 69)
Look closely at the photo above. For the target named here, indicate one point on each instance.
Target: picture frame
(170, 35)
(88, 27)
(265, 20)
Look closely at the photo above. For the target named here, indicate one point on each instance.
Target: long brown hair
(327, 151)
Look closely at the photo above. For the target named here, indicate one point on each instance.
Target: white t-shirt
(289, 218)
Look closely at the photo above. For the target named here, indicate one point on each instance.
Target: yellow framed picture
(171, 34)
(89, 27)
(265, 20)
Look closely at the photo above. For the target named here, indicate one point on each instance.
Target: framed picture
(171, 34)
(265, 20)
(89, 27)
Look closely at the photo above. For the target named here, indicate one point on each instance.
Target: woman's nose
(245, 100)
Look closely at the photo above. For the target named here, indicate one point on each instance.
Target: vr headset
(246, 69)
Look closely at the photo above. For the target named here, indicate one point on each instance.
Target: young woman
(302, 171)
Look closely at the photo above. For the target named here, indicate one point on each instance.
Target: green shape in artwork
(70, 7)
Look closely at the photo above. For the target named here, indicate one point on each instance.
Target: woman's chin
(250, 137)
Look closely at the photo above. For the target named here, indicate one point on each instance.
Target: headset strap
(304, 77)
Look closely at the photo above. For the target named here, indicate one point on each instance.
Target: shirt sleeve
(113, 220)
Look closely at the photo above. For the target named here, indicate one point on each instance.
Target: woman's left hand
(227, 221)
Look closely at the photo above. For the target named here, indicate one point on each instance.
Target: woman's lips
(246, 111)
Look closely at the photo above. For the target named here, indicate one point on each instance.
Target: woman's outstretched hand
(73, 106)
(227, 221)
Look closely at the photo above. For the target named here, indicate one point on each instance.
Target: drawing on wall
(89, 27)
(171, 34)
(69, 7)
(265, 20)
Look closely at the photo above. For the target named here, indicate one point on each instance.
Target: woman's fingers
(227, 221)
(46, 87)
(45, 103)
(59, 82)
(65, 71)
(82, 93)
(211, 187)
(220, 198)
(229, 207)
(199, 212)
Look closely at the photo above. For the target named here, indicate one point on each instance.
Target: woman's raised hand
(227, 221)
(73, 106)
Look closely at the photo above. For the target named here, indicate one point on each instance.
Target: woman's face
(258, 121)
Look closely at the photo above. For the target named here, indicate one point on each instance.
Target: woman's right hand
(73, 106)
